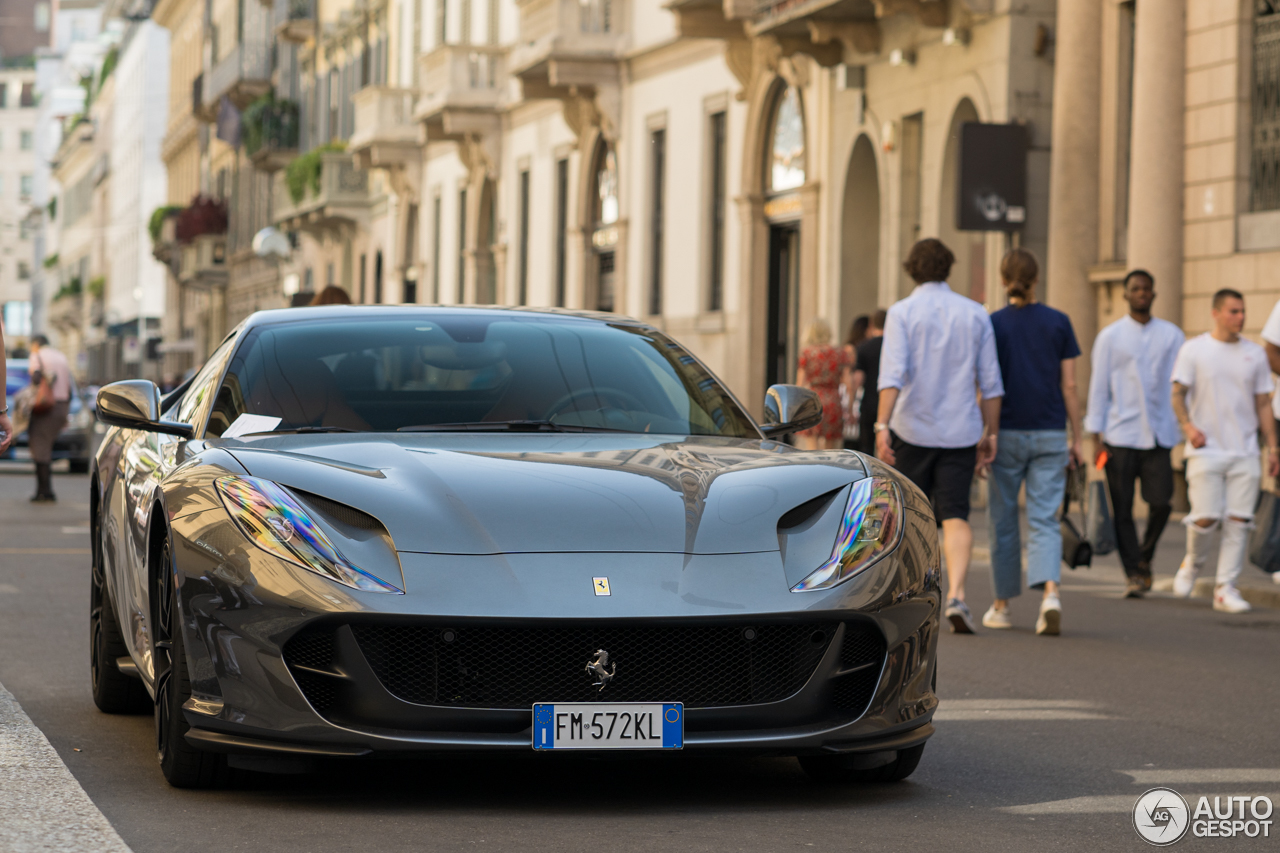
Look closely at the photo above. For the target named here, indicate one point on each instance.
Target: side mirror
(135, 404)
(790, 408)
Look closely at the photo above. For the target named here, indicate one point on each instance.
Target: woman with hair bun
(1037, 350)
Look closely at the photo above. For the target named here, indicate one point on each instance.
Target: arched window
(604, 239)
(606, 185)
(786, 158)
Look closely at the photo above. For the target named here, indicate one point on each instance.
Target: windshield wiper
(507, 426)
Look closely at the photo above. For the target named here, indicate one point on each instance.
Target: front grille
(320, 692)
(312, 649)
(863, 647)
(514, 667)
(862, 644)
(851, 693)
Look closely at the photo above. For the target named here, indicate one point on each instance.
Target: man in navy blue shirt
(1037, 350)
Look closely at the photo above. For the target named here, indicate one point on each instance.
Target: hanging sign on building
(992, 195)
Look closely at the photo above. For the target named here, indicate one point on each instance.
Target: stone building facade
(731, 169)
(727, 171)
(1171, 159)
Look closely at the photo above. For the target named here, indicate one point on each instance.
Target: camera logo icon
(1161, 817)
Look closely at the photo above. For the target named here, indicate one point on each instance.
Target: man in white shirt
(1271, 343)
(1131, 417)
(939, 354)
(1222, 397)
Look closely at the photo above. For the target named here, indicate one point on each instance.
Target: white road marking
(72, 531)
(43, 809)
(1103, 804)
(1204, 776)
(8, 589)
(1099, 804)
(971, 710)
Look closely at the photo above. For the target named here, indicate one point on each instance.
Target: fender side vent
(797, 516)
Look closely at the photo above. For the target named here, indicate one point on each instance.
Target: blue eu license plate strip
(599, 725)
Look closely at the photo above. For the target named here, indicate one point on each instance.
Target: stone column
(1156, 170)
(1073, 170)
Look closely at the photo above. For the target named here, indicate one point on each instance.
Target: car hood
(531, 493)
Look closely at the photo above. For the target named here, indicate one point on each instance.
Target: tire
(183, 765)
(113, 691)
(836, 768)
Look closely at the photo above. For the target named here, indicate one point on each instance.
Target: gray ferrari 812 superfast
(367, 531)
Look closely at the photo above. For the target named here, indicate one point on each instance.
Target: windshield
(458, 370)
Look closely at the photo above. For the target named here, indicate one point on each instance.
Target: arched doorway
(969, 275)
(860, 236)
(604, 234)
(785, 174)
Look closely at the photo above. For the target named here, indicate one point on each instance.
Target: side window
(194, 401)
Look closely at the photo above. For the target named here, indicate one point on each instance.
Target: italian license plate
(624, 725)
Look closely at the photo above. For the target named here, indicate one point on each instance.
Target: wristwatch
(879, 427)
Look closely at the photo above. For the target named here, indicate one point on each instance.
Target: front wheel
(844, 768)
(113, 691)
(183, 765)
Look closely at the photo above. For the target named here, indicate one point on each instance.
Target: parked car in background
(77, 442)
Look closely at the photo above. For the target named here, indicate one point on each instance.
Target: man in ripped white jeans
(1222, 397)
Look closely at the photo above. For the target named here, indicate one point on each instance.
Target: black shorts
(944, 474)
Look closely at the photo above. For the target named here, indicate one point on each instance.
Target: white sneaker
(1226, 598)
(1184, 582)
(998, 619)
(1050, 621)
(1275, 578)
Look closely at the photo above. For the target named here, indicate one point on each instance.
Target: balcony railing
(338, 198)
(243, 75)
(585, 29)
(386, 133)
(461, 76)
(203, 262)
(295, 20)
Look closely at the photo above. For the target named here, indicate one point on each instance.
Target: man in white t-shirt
(1222, 397)
(1271, 342)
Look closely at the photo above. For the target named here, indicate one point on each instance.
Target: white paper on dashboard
(246, 424)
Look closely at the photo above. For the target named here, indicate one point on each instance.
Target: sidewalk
(1255, 585)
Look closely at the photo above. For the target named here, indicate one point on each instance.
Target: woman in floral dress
(823, 368)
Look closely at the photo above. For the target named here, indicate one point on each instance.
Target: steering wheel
(611, 395)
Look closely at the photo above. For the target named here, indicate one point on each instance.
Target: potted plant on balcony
(270, 123)
(305, 170)
(204, 215)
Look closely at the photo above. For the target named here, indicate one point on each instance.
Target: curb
(1258, 597)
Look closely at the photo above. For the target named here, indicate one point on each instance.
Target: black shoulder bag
(1076, 550)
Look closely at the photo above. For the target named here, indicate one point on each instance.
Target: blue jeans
(1039, 458)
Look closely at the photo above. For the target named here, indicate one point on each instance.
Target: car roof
(316, 312)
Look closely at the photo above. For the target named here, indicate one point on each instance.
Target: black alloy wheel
(843, 769)
(113, 691)
(183, 765)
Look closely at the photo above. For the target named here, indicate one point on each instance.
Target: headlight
(870, 528)
(274, 521)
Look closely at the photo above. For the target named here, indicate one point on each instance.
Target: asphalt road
(1042, 743)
